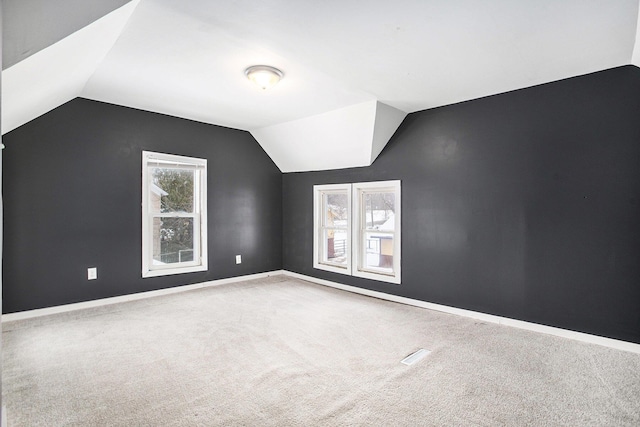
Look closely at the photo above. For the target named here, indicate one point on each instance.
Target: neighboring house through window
(357, 229)
(174, 218)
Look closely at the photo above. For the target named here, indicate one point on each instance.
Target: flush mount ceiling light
(264, 76)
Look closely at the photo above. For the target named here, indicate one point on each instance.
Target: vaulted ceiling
(353, 69)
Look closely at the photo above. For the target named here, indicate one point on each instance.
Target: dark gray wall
(32, 25)
(525, 205)
(72, 191)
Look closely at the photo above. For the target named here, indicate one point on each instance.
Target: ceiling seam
(133, 5)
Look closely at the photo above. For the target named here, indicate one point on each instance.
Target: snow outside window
(357, 229)
(174, 217)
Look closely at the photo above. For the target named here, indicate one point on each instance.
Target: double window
(174, 214)
(357, 229)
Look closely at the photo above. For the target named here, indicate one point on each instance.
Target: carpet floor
(284, 352)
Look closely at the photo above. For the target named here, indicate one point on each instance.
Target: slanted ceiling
(353, 69)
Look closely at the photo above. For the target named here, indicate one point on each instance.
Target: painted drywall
(29, 92)
(635, 57)
(72, 192)
(523, 205)
(345, 137)
(36, 24)
(388, 119)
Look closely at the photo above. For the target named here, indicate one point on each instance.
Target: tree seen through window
(176, 232)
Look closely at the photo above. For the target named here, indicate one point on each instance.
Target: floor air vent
(414, 357)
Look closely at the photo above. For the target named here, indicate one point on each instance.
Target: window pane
(172, 240)
(379, 208)
(172, 190)
(378, 251)
(335, 246)
(335, 210)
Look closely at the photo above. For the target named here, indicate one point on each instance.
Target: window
(357, 229)
(333, 228)
(377, 230)
(174, 214)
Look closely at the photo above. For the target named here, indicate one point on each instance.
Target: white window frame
(319, 227)
(359, 223)
(200, 258)
(355, 233)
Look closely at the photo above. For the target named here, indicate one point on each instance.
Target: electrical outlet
(92, 273)
(238, 259)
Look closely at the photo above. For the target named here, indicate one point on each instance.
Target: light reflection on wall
(246, 218)
(442, 151)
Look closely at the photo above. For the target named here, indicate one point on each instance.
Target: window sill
(171, 271)
(332, 268)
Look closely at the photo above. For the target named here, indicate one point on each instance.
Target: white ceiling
(377, 59)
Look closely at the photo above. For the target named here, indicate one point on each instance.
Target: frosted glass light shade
(264, 76)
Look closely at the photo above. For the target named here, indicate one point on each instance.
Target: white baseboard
(132, 297)
(490, 318)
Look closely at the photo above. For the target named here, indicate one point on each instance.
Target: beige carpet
(283, 352)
